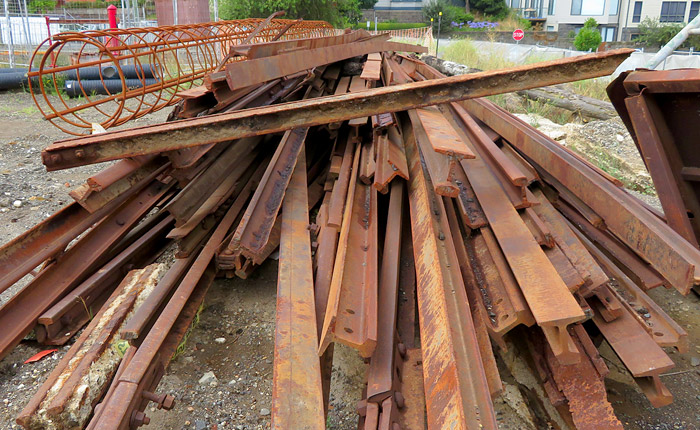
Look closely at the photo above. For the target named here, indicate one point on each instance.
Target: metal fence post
(10, 41)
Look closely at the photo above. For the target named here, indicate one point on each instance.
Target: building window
(589, 7)
(694, 9)
(637, 14)
(614, 6)
(550, 7)
(672, 11)
(550, 28)
(608, 33)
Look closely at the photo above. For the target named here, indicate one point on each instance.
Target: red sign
(518, 35)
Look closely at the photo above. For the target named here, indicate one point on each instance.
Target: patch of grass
(594, 88)
(195, 322)
(29, 110)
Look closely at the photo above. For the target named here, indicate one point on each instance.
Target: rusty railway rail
(407, 211)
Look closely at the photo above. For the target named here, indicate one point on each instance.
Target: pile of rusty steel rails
(416, 222)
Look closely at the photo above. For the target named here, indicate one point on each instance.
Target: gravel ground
(235, 336)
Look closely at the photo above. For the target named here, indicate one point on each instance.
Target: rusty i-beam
(253, 122)
(297, 395)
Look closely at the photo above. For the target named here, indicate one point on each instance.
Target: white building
(617, 19)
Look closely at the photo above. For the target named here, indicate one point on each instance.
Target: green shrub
(98, 4)
(653, 33)
(493, 8)
(588, 38)
(433, 9)
(460, 15)
(41, 6)
(340, 13)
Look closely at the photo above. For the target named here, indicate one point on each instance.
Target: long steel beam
(456, 391)
(241, 74)
(297, 394)
(252, 122)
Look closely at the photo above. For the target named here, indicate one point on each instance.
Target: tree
(494, 8)
(340, 13)
(588, 38)
(433, 9)
(367, 4)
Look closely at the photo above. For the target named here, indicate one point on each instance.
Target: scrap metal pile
(416, 222)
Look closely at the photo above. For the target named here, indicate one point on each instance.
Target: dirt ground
(242, 313)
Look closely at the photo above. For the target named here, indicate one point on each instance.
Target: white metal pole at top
(174, 12)
(216, 10)
(9, 32)
(123, 23)
(26, 19)
(25, 23)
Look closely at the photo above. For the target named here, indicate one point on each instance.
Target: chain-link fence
(24, 25)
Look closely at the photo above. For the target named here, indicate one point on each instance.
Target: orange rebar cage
(137, 71)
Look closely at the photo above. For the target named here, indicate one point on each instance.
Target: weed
(195, 322)
(88, 311)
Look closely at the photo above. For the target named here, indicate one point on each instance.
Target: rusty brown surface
(251, 122)
(297, 397)
(178, 57)
(652, 239)
(634, 267)
(391, 160)
(255, 227)
(583, 385)
(537, 278)
(68, 315)
(256, 70)
(456, 390)
(332, 307)
(20, 313)
(356, 317)
(380, 379)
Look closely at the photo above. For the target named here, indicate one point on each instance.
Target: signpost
(518, 35)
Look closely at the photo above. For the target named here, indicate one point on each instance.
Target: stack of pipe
(416, 223)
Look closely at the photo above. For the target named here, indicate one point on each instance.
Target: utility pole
(437, 45)
(432, 29)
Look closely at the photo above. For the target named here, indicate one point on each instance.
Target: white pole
(216, 10)
(24, 23)
(123, 23)
(174, 12)
(9, 32)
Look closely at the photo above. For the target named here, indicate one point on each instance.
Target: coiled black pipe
(12, 80)
(106, 87)
(131, 71)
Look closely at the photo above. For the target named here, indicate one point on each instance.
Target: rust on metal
(380, 379)
(456, 390)
(653, 240)
(165, 61)
(256, 70)
(254, 230)
(297, 398)
(306, 113)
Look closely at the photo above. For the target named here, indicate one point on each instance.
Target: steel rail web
(177, 57)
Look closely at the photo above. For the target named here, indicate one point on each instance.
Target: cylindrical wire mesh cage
(166, 60)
